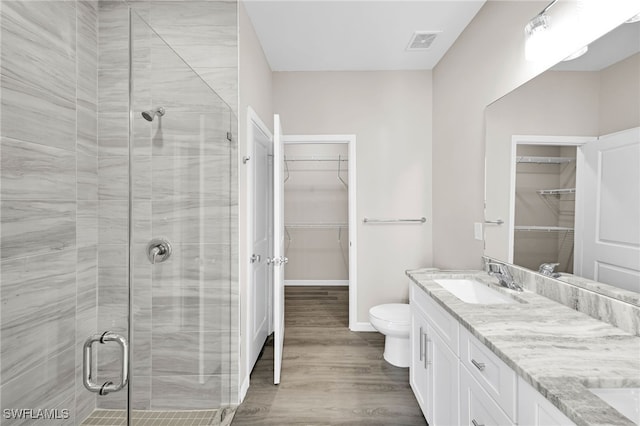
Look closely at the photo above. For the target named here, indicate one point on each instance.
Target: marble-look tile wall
(184, 331)
(205, 35)
(619, 311)
(49, 208)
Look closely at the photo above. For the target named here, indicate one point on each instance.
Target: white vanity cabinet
(535, 410)
(433, 371)
(458, 380)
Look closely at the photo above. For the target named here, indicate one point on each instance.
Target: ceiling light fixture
(537, 34)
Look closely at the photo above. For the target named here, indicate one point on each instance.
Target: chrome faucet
(503, 275)
(548, 269)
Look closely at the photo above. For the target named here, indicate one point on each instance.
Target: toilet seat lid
(396, 313)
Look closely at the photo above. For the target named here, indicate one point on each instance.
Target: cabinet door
(536, 410)
(418, 373)
(443, 380)
(477, 408)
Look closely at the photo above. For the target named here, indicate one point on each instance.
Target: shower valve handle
(158, 250)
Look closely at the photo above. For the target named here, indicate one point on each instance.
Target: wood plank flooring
(330, 375)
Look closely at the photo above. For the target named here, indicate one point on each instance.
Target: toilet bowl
(393, 320)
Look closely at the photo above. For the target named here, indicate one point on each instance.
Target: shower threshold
(219, 417)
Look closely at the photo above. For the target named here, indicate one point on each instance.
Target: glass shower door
(182, 170)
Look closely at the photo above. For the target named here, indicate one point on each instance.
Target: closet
(316, 213)
(545, 206)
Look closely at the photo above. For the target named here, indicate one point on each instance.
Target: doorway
(320, 212)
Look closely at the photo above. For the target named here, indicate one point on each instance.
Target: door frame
(253, 119)
(350, 140)
(576, 141)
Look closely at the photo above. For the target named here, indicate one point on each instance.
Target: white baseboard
(244, 387)
(363, 326)
(325, 283)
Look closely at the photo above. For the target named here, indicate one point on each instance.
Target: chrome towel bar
(420, 220)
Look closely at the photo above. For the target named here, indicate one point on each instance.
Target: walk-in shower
(118, 260)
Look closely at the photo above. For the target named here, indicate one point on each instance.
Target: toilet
(393, 320)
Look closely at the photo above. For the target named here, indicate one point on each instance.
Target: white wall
(486, 62)
(255, 91)
(390, 114)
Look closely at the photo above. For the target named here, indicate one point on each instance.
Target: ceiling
(343, 35)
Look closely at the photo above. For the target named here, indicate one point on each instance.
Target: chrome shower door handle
(87, 367)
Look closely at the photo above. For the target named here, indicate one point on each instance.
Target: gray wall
(49, 210)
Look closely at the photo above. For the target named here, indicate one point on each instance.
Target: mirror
(540, 140)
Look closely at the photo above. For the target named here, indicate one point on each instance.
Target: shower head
(149, 115)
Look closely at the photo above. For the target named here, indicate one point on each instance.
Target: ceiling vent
(422, 40)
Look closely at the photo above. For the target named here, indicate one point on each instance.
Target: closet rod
(543, 228)
(544, 160)
(327, 159)
(369, 220)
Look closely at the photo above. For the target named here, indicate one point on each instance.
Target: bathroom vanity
(520, 358)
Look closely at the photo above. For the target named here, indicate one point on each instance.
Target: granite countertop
(559, 351)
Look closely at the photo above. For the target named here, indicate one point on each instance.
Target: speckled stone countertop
(559, 351)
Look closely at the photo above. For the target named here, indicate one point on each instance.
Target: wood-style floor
(330, 375)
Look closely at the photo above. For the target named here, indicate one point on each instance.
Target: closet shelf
(544, 160)
(339, 159)
(543, 228)
(316, 158)
(561, 191)
(329, 225)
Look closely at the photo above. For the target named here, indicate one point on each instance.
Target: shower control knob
(158, 250)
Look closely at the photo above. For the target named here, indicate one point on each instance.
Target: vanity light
(537, 34)
(576, 54)
(537, 37)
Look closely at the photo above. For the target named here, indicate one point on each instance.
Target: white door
(278, 250)
(608, 248)
(259, 271)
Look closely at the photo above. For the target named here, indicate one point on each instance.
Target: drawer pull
(426, 351)
(475, 423)
(479, 366)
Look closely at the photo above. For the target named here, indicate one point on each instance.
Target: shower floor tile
(154, 418)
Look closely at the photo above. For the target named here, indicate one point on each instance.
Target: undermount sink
(625, 400)
(471, 291)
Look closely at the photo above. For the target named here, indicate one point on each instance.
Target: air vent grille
(422, 40)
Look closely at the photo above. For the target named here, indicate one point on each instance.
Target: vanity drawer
(477, 408)
(496, 377)
(442, 321)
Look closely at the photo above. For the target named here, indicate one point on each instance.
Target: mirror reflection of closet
(545, 206)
